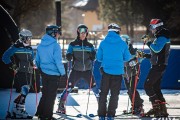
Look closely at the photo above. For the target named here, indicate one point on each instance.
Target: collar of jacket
(80, 41)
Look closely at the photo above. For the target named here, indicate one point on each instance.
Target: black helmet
(25, 35)
(114, 27)
(52, 30)
(82, 28)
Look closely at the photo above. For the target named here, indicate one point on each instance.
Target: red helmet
(155, 23)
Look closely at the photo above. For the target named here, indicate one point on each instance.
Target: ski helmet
(114, 27)
(126, 38)
(52, 30)
(82, 28)
(25, 35)
(156, 24)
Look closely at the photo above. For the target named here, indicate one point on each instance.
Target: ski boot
(19, 112)
(137, 111)
(61, 107)
(163, 109)
(156, 111)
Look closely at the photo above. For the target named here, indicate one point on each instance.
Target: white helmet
(114, 27)
(25, 35)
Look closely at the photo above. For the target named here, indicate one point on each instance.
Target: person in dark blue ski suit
(22, 64)
(49, 62)
(112, 52)
(82, 54)
(130, 76)
(160, 49)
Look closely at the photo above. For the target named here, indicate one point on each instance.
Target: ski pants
(49, 91)
(130, 84)
(112, 83)
(152, 84)
(74, 77)
(22, 78)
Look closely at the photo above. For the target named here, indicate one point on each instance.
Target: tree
(131, 12)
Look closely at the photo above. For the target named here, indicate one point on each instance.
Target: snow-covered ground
(77, 102)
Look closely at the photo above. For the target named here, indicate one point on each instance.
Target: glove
(63, 77)
(145, 38)
(101, 70)
(12, 66)
(69, 56)
(149, 43)
(132, 63)
(140, 54)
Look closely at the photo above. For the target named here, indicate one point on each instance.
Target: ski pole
(136, 79)
(89, 91)
(35, 86)
(8, 113)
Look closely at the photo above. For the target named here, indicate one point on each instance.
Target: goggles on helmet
(154, 26)
(82, 30)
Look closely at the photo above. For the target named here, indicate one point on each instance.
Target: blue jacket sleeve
(70, 49)
(6, 58)
(126, 55)
(58, 59)
(99, 55)
(158, 44)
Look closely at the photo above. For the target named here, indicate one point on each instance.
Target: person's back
(49, 62)
(112, 52)
(46, 50)
(115, 52)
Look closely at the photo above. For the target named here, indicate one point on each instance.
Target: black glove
(69, 56)
(101, 70)
(147, 55)
(12, 66)
(63, 77)
(148, 43)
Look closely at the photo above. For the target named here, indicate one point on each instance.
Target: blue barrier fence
(170, 77)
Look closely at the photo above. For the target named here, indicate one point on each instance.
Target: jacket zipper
(83, 57)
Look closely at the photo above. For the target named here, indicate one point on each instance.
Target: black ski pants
(112, 83)
(152, 84)
(74, 77)
(130, 84)
(49, 91)
(22, 78)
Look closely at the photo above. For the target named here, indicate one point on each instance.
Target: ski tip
(79, 115)
(91, 115)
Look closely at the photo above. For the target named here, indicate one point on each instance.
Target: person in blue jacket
(19, 57)
(112, 52)
(160, 49)
(49, 62)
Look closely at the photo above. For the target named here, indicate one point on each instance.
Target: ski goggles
(27, 38)
(82, 30)
(154, 26)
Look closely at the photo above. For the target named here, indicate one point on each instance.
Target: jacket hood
(112, 37)
(47, 40)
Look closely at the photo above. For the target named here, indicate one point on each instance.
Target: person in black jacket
(130, 78)
(22, 64)
(160, 49)
(83, 54)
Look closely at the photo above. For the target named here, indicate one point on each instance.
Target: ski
(14, 118)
